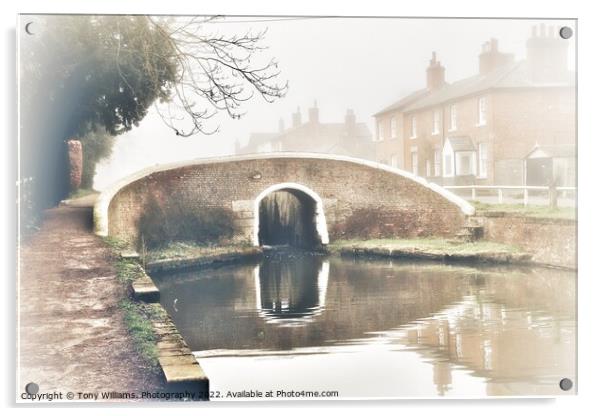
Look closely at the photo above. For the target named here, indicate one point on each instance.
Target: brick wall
(524, 118)
(551, 241)
(345, 187)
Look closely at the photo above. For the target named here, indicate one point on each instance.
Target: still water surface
(377, 328)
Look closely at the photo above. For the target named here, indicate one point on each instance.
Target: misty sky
(363, 64)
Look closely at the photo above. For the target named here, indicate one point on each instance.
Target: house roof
(400, 104)
(555, 150)
(461, 144)
(511, 75)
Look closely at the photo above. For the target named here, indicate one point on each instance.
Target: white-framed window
(437, 162)
(483, 160)
(453, 117)
(482, 111)
(414, 161)
(436, 122)
(413, 128)
(395, 161)
(380, 134)
(393, 126)
(428, 167)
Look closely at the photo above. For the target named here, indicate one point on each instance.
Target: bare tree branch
(213, 73)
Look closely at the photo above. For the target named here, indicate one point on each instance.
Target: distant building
(348, 138)
(485, 129)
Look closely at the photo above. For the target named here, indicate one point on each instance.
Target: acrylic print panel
(307, 208)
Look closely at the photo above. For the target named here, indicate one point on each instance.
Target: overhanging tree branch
(213, 73)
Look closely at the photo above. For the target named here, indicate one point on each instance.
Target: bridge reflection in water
(293, 291)
(450, 329)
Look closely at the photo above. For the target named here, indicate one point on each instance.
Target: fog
(358, 63)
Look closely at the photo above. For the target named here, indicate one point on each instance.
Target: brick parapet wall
(403, 206)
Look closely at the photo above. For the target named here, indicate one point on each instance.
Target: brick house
(482, 129)
(348, 138)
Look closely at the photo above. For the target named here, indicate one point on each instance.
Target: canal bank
(182, 256)
(155, 336)
(442, 250)
(178, 256)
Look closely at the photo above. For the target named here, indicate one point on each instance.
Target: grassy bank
(433, 249)
(535, 211)
(138, 323)
(136, 316)
(189, 250)
(179, 256)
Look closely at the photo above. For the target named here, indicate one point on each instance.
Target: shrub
(179, 219)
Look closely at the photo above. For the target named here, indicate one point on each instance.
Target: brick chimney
(435, 74)
(297, 118)
(491, 58)
(547, 55)
(314, 113)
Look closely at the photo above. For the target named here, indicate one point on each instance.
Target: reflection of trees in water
(288, 218)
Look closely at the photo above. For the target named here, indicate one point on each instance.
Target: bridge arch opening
(289, 214)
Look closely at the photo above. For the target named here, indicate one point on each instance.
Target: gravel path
(72, 335)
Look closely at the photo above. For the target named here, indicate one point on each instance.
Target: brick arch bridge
(353, 198)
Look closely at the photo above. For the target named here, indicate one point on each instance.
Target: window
(483, 160)
(453, 118)
(437, 160)
(428, 167)
(395, 161)
(380, 134)
(415, 162)
(414, 128)
(436, 122)
(464, 163)
(482, 111)
(393, 128)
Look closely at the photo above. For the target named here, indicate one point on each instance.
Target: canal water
(377, 328)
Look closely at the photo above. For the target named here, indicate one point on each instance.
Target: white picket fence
(477, 191)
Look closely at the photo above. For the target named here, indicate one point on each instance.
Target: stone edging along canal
(180, 368)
